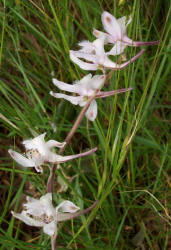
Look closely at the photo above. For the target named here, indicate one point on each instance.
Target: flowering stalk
(92, 56)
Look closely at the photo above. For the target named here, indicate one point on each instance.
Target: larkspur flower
(116, 34)
(39, 152)
(41, 213)
(85, 88)
(95, 54)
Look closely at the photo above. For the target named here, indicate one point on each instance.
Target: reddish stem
(67, 139)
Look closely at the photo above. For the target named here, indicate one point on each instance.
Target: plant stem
(53, 242)
(67, 139)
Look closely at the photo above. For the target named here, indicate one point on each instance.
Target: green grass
(129, 173)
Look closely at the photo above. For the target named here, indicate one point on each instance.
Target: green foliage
(129, 172)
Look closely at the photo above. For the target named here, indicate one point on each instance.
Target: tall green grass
(129, 174)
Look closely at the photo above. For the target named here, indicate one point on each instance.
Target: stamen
(33, 153)
(47, 219)
(43, 218)
(85, 98)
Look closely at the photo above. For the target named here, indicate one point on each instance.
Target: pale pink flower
(116, 34)
(85, 88)
(96, 56)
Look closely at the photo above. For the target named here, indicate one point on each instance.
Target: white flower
(95, 54)
(116, 34)
(85, 88)
(39, 152)
(41, 213)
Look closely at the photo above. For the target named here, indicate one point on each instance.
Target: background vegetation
(129, 174)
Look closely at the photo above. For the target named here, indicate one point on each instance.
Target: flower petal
(27, 220)
(39, 207)
(127, 40)
(87, 56)
(46, 204)
(97, 82)
(39, 169)
(30, 199)
(52, 143)
(91, 113)
(60, 159)
(67, 207)
(111, 25)
(85, 87)
(47, 197)
(129, 20)
(83, 103)
(50, 228)
(109, 64)
(99, 47)
(99, 34)
(117, 49)
(21, 159)
(35, 143)
(73, 99)
(81, 64)
(122, 23)
(89, 84)
(64, 86)
(33, 207)
(87, 46)
(85, 79)
(70, 216)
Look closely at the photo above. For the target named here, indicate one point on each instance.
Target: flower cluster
(92, 56)
(95, 53)
(96, 58)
